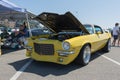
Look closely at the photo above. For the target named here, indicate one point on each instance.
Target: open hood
(59, 23)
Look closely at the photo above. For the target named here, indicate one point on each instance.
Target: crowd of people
(116, 35)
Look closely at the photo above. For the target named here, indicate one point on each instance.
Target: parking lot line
(110, 59)
(18, 73)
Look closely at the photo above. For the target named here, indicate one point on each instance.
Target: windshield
(89, 28)
(37, 28)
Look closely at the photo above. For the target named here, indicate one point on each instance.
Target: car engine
(64, 35)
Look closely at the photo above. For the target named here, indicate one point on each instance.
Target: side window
(89, 28)
(98, 29)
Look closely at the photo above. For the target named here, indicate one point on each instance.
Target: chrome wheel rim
(87, 54)
(109, 45)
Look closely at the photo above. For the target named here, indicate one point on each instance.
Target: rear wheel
(84, 55)
(107, 47)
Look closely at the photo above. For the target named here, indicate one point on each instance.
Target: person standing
(115, 33)
(119, 37)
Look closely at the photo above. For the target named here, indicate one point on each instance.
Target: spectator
(119, 37)
(21, 34)
(115, 33)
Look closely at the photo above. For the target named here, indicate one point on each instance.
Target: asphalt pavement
(14, 65)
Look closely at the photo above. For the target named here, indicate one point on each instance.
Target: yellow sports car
(63, 39)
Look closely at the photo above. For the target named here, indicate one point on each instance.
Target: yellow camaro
(63, 39)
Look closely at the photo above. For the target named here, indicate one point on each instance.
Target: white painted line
(18, 73)
(110, 59)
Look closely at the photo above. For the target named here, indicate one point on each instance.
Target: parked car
(68, 41)
(5, 28)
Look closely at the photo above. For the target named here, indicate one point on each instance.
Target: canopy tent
(11, 11)
(5, 6)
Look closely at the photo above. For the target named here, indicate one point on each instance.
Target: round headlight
(66, 45)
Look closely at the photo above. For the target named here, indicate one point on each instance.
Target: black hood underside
(60, 23)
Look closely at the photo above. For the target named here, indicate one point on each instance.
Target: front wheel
(84, 55)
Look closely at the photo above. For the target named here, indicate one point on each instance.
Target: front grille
(44, 49)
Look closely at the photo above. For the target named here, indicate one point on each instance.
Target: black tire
(84, 56)
(107, 47)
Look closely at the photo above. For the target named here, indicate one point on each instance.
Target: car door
(101, 37)
(93, 37)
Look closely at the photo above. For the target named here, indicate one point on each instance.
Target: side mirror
(98, 32)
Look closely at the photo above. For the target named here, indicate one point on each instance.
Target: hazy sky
(101, 12)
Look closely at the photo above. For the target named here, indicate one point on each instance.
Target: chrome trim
(28, 48)
(64, 53)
